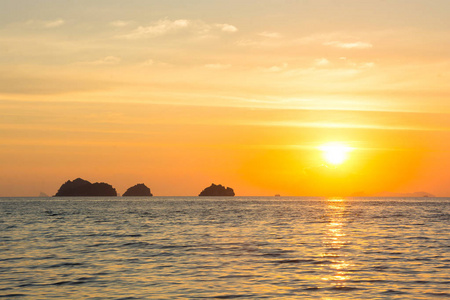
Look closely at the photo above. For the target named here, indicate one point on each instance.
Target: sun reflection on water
(334, 243)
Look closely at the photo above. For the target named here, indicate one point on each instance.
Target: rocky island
(80, 187)
(217, 190)
(139, 190)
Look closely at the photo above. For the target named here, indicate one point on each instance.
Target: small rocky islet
(217, 190)
(80, 187)
(138, 190)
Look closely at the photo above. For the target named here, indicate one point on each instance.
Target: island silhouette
(80, 187)
(138, 190)
(217, 190)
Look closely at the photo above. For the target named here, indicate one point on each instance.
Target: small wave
(61, 282)
(136, 244)
(28, 284)
(128, 235)
(272, 254)
(102, 273)
(380, 268)
(102, 234)
(236, 276)
(102, 221)
(78, 281)
(295, 261)
(333, 255)
(13, 295)
(394, 292)
(50, 213)
(11, 258)
(418, 238)
(395, 253)
(314, 288)
(446, 295)
(100, 245)
(86, 279)
(66, 264)
(322, 262)
(174, 246)
(421, 259)
(233, 296)
(95, 234)
(343, 288)
(368, 281)
(421, 282)
(39, 258)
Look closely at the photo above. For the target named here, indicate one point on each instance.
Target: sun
(335, 153)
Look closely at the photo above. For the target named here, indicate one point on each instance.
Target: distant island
(406, 195)
(80, 187)
(138, 190)
(217, 190)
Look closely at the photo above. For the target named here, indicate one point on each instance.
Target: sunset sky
(181, 94)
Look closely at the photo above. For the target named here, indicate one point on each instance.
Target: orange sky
(181, 94)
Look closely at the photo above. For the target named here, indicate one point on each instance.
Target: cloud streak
(320, 62)
(54, 23)
(48, 24)
(277, 68)
(227, 27)
(270, 34)
(166, 27)
(351, 45)
(108, 60)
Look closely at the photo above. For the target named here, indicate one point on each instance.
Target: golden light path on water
(334, 241)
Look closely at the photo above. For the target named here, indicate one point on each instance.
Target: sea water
(224, 248)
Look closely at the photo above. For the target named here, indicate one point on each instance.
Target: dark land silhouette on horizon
(217, 190)
(80, 187)
(138, 190)
(83, 188)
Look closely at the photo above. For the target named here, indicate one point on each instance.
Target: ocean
(224, 248)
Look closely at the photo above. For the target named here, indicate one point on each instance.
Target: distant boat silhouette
(277, 195)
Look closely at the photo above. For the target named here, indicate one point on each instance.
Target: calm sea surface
(193, 248)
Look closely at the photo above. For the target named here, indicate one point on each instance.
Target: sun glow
(335, 153)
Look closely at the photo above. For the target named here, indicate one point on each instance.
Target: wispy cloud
(108, 60)
(54, 23)
(367, 65)
(349, 45)
(320, 62)
(227, 27)
(158, 28)
(276, 68)
(45, 23)
(154, 63)
(149, 62)
(165, 26)
(270, 34)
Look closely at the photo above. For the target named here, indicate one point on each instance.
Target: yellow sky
(180, 94)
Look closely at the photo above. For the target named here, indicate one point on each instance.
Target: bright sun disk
(335, 153)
